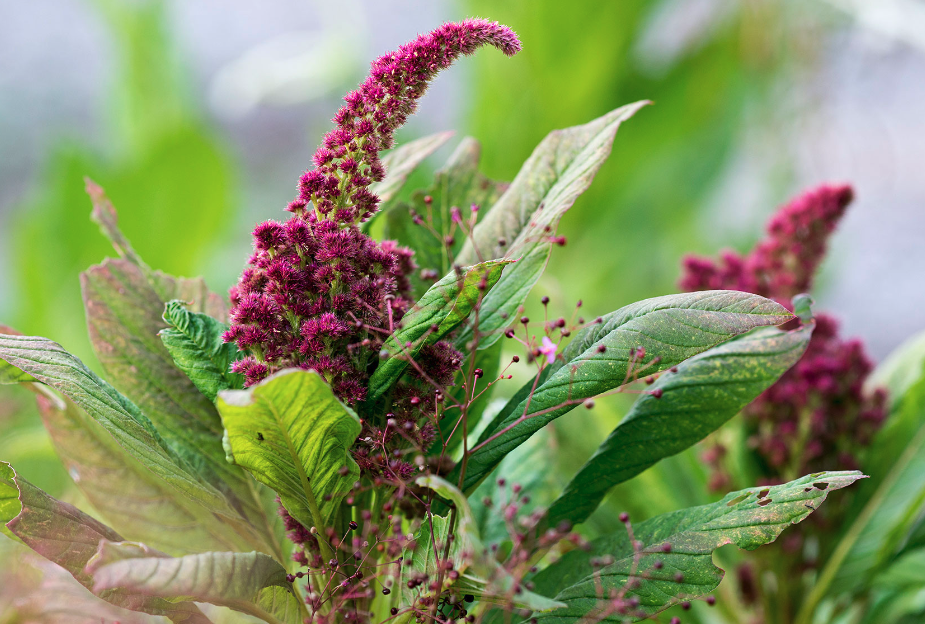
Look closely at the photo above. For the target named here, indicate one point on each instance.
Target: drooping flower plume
(318, 293)
(817, 414)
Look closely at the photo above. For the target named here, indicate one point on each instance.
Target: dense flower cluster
(817, 415)
(318, 293)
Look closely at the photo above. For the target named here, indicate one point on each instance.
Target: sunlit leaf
(294, 435)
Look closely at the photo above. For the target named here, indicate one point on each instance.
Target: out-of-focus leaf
(901, 370)
(68, 537)
(458, 183)
(444, 306)
(195, 343)
(702, 394)
(521, 223)
(294, 435)
(748, 519)
(235, 580)
(400, 163)
(60, 599)
(887, 511)
(671, 328)
(166, 287)
(130, 497)
(48, 362)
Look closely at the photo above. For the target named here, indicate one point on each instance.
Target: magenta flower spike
(823, 393)
(318, 293)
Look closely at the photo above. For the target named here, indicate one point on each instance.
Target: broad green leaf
(132, 499)
(671, 328)
(48, 362)
(444, 306)
(887, 511)
(195, 343)
(901, 370)
(400, 163)
(68, 537)
(520, 224)
(481, 575)
(748, 518)
(294, 436)
(236, 580)
(458, 183)
(908, 570)
(705, 392)
(167, 287)
(124, 318)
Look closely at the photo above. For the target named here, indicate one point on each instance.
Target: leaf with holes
(748, 519)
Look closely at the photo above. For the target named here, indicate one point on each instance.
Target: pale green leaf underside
(672, 328)
(740, 518)
(705, 392)
(68, 537)
(519, 225)
(294, 436)
(195, 343)
(48, 362)
(236, 580)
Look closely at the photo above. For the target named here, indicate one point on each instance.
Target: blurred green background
(197, 119)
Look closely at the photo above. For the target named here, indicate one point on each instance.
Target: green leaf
(132, 499)
(887, 511)
(671, 328)
(705, 392)
(10, 374)
(901, 370)
(519, 225)
(458, 183)
(400, 163)
(245, 582)
(68, 537)
(294, 435)
(748, 518)
(195, 343)
(124, 318)
(444, 306)
(48, 362)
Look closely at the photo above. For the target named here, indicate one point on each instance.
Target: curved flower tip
(784, 263)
